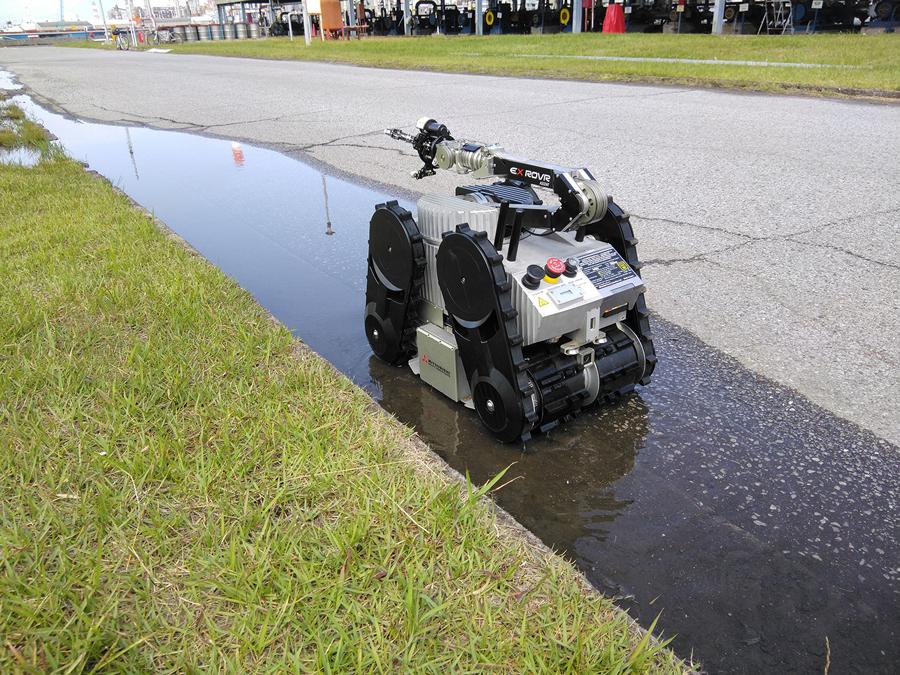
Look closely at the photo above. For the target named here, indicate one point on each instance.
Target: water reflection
(328, 229)
(237, 154)
(19, 156)
(137, 176)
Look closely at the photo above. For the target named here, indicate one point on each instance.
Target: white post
(150, 11)
(131, 22)
(307, 26)
(351, 12)
(479, 17)
(105, 27)
(718, 17)
(407, 18)
(577, 19)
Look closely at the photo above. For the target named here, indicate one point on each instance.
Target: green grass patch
(16, 131)
(33, 134)
(9, 138)
(184, 488)
(854, 64)
(12, 112)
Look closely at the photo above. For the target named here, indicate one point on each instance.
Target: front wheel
(122, 43)
(153, 39)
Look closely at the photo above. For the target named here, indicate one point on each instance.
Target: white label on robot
(605, 268)
(744, 7)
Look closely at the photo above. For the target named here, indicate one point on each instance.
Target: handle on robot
(399, 135)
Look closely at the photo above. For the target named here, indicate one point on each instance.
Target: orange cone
(614, 21)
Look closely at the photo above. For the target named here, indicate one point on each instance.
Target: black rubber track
(394, 282)
(615, 229)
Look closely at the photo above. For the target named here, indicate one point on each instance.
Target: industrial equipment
(545, 19)
(287, 23)
(425, 17)
(515, 18)
(386, 22)
(646, 16)
(520, 298)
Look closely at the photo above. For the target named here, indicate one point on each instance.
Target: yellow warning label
(622, 265)
(542, 302)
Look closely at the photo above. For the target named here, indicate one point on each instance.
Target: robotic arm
(582, 200)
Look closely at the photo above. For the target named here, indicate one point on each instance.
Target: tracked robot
(526, 310)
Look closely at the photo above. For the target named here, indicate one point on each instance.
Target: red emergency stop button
(554, 267)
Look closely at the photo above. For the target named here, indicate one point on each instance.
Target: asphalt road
(769, 223)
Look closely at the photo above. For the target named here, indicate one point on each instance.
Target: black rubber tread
(560, 385)
(617, 361)
(497, 352)
(615, 229)
(400, 304)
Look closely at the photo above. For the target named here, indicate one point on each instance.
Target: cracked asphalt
(769, 224)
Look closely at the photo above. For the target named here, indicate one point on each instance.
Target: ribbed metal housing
(442, 213)
(529, 320)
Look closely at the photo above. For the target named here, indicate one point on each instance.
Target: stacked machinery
(551, 16)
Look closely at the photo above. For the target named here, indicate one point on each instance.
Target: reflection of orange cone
(237, 154)
(614, 21)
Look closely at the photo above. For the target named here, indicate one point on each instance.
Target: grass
(185, 488)
(11, 112)
(867, 65)
(9, 138)
(16, 131)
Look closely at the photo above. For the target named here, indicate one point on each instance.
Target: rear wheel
(883, 10)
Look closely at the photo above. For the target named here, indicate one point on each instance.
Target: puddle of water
(20, 156)
(754, 522)
(7, 82)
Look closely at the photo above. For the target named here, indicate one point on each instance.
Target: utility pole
(131, 22)
(62, 11)
(105, 26)
(718, 17)
(150, 12)
(307, 24)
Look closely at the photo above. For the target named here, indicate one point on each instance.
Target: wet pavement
(755, 523)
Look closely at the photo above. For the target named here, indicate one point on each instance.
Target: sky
(41, 10)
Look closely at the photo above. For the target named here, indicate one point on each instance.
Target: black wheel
(883, 10)
(393, 282)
